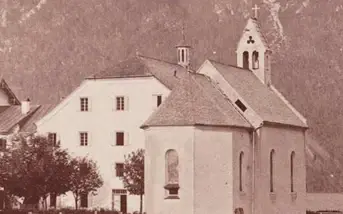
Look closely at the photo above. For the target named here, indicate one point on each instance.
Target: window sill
(272, 196)
(242, 193)
(172, 197)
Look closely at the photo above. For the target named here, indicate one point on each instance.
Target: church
(225, 140)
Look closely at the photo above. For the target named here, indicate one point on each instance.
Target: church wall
(213, 169)
(324, 201)
(242, 143)
(158, 141)
(101, 122)
(283, 141)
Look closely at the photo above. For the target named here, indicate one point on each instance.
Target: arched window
(246, 59)
(255, 60)
(292, 171)
(272, 156)
(241, 155)
(172, 172)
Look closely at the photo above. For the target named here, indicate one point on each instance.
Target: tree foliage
(133, 178)
(84, 178)
(33, 168)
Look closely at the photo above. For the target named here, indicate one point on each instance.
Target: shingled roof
(29, 125)
(195, 101)
(132, 67)
(12, 115)
(262, 99)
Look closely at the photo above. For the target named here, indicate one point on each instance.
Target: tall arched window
(172, 172)
(271, 166)
(255, 60)
(292, 171)
(246, 59)
(241, 155)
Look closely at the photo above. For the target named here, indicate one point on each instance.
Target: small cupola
(183, 51)
(183, 54)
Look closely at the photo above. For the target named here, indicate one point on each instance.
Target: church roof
(261, 98)
(195, 101)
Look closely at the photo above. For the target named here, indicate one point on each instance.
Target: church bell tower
(253, 52)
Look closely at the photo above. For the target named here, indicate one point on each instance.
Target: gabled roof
(168, 73)
(131, 67)
(254, 24)
(262, 99)
(142, 66)
(11, 116)
(12, 98)
(29, 126)
(195, 101)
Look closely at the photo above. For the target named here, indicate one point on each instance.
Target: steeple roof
(253, 25)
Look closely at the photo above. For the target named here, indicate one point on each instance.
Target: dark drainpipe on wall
(254, 141)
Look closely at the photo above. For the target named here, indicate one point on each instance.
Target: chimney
(25, 106)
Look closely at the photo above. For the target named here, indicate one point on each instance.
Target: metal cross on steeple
(255, 9)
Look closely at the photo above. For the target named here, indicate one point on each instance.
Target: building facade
(101, 120)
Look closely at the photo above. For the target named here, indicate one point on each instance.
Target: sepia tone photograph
(171, 107)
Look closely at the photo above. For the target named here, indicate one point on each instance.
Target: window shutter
(89, 104)
(153, 102)
(58, 139)
(126, 103)
(113, 137)
(89, 139)
(126, 138)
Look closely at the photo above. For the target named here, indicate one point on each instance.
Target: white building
(101, 120)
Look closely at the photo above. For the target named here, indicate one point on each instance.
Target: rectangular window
(159, 100)
(3, 144)
(83, 139)
(84, 104)
(120, 138)
(120, 103)
(119, 169)
(241, 105)
(52, 137)
(84, 200)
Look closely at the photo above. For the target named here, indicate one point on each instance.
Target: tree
(133, 178)
(84, 178)
(33, 168)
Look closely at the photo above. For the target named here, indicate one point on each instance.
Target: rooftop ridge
(229, 65)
